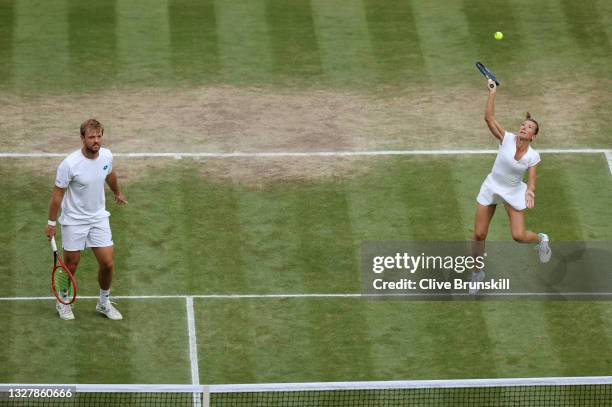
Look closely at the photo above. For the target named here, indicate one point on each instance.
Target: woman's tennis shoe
(544, 248)
(64, 311)
(476, 278)
(109, 310)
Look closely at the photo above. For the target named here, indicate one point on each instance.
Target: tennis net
(562, 391)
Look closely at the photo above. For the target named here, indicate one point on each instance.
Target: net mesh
(109, 399)
(589, 395)
(494, 392)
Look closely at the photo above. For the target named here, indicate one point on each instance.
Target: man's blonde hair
(91, 124)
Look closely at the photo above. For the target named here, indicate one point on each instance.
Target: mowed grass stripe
(286, 344)
(580, 336)
(344, 42)
(401, 199)
(521, 340)
(293, 43)
(303, 227)
(433, 206)
(328, 255)
(555, 202)
(468, 175)
(143, 43)
(605, 9)
(9, 210)
(145, 256)
(193, 40)
(225, 334)
(92, 46)
(336, 345)
(394, 339)
(395, 41)
(604, 310)
(157, 257)
(35, 344)
(548, 44)
(244, 41)
(326, 249)
(428, 339)
(214, 237)
(269, 241)
(445, 41)
(7, 22)
(40, 36)
(581, 189)
(93, 349)
(378, 207)
(588, 28)
(25, 249)
(483, 22)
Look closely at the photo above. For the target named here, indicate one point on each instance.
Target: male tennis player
(505, 183)
(79, 187)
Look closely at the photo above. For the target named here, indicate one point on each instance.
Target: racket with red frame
(62, 280)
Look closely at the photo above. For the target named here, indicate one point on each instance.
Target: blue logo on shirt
(105, 167)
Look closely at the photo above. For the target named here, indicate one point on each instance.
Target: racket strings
(63, 284)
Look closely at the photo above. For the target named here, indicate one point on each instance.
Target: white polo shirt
(83, 178)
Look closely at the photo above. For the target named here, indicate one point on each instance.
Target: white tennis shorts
(78, 237)
(492, 193)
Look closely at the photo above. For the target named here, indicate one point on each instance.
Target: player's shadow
(578, 269)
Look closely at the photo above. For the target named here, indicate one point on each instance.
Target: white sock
(104, 296)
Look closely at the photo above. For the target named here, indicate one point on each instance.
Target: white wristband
(51, 222)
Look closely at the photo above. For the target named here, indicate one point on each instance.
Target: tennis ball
(498, 35)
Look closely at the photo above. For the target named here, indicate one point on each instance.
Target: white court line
(320, 386)
(180, 155)
(410, 384)
(313, 153)
(313, 295)
(193, 349)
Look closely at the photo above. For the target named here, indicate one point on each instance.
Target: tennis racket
(487, 74)
(62, 280)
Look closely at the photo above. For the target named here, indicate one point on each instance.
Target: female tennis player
(505, 182)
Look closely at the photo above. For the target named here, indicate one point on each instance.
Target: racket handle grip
(53, 244)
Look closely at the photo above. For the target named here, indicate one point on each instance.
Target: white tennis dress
(505, 182)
